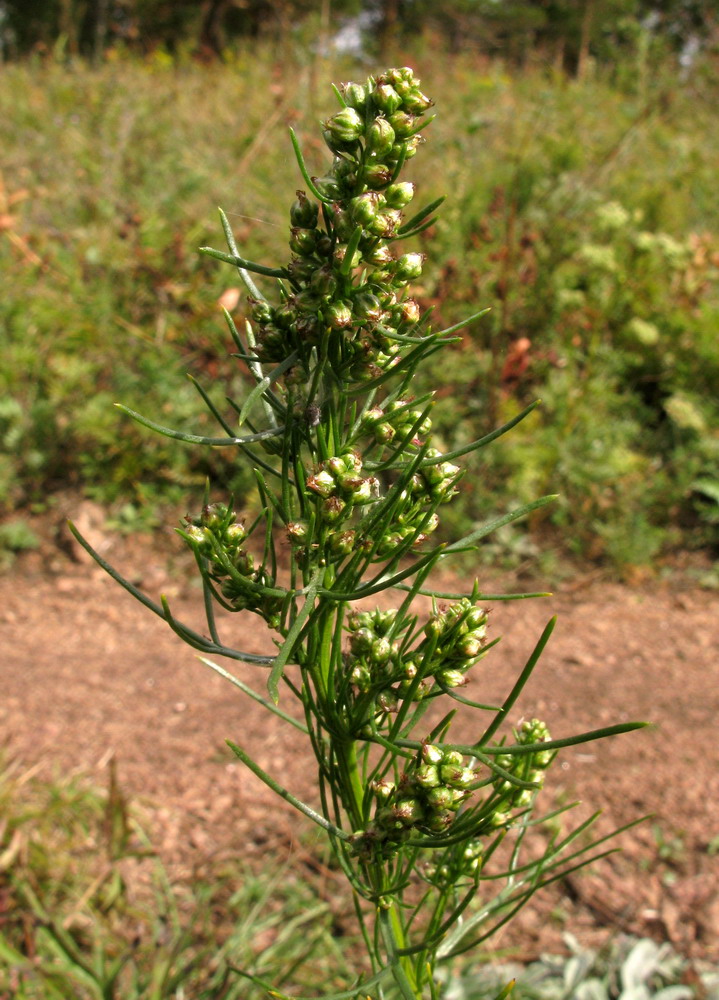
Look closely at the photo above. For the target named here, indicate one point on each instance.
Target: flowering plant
(347, 467)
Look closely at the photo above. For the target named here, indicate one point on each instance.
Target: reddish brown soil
(87, 673)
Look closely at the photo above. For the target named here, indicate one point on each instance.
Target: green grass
(89, 911)
(111, 177)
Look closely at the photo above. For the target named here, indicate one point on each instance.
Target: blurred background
(577, 141)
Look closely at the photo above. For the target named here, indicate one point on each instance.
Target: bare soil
(86, 673)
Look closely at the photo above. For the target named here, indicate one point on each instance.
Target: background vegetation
(582, 210)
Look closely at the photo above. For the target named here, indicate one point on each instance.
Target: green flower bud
(381, 650)
(297, 532)
(364, 493)
(408, 812)
(386, 98)
(365, 207)
(440, 798)
(379, 255)
(328, 187)
(200, 537)
(321, 483)
(439, 821)
(341, 252)
(427, 776)
(451, 678)
(332, 509)
(403, 124)
(469, 646)
(335, 465)
(353, 461)
(385, 224)
(306, 301)
(456, 775)
(338, 315)
(416, 102)
(354, 94)
(361, 641)
(300, 270)
(323, 282)
(376, 175)
(260, 311)
(432, 754)
(304, 212)
(344, 127)
(409, 266)
(303, 241)
(384, 433)
(400, 194)
(235, 534)
(380, 137)
(383, 788)
(367, 306)
(343, 542)
(453, 757)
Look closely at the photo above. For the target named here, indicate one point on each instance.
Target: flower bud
(416, 102)
(235, 534)
(363, 493)
(376, 175)
(381, 650)
(383, 788)
(323, 282)
(439, 821)
(432, 754)
(354, 94)
(408, 811)
(321, 483)
(379, 255)
(344, 127)
(386, 98)
(409, 266)
(341, 252)
(361, 641)
(470, 646)
(365, 207)
(457, 776)
(380, 137)
(440, 798)
(427, 776)
(306, 301)
(304, 212)
(260, 311)
(297, 532)
(403, 124)
(338, 315)
(215, 515)
(400, 194)
(332, 509)
(451, 678)
(303, 241)
(367, 306)
(342, 542)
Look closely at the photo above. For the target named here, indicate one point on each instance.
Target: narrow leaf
(198, 438)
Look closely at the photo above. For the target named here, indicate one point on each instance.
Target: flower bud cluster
(460, 634)
(465, 860)
(344, 277)
(340, 486)
(528, 767)
(217, 537)
(377, 664)
(373, 660)
(397, 420)
(424, 800)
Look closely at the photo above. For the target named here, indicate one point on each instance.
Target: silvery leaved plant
(423, 826)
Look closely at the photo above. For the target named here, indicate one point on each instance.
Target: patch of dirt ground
(87, 673)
